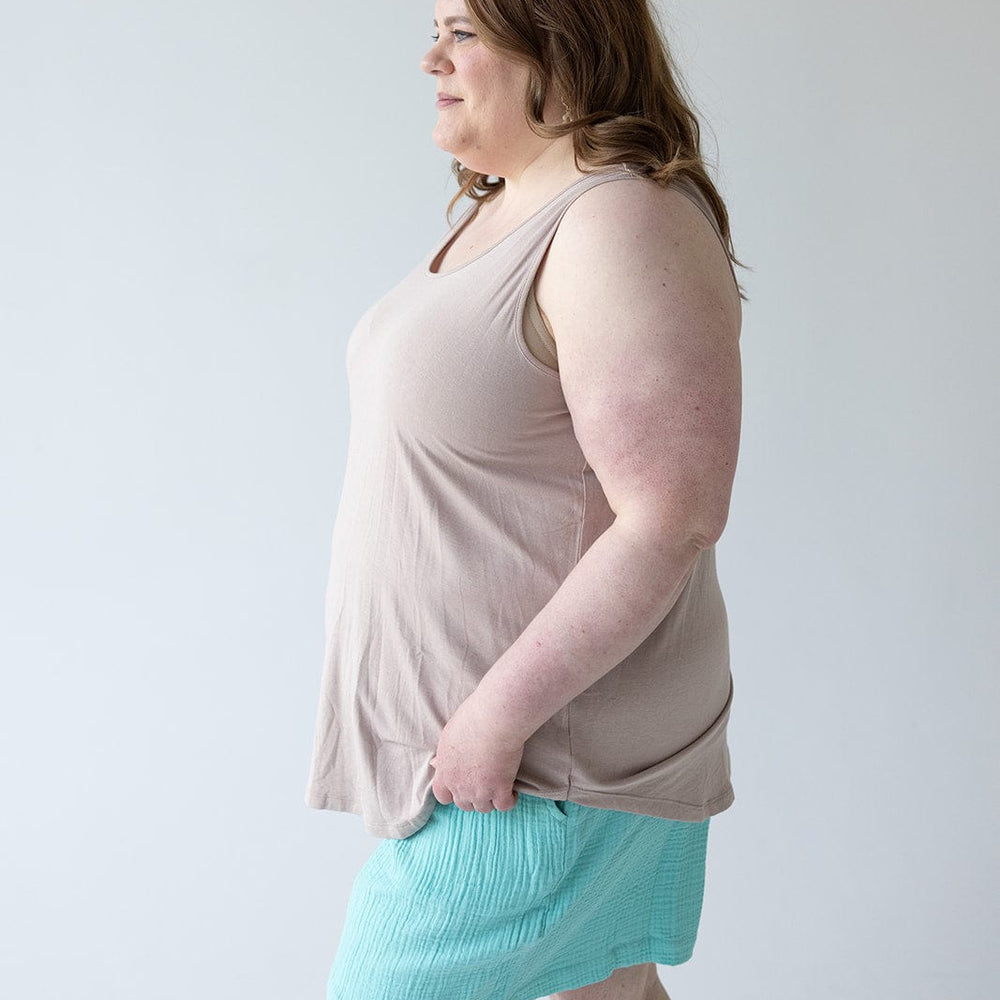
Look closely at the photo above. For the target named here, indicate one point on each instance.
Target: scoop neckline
(453, 233)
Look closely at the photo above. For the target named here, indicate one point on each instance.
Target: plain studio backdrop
(198, 201)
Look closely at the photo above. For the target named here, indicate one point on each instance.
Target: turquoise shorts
(516, 905)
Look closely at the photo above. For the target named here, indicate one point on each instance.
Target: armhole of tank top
(527, 284)
(522, 319)
(536, 334)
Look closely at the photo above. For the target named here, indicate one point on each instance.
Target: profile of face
(484, 127)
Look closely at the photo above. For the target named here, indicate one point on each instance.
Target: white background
(197, 202)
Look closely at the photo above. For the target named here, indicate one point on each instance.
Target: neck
(536, 180)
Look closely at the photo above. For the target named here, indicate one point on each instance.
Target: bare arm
(647, 319)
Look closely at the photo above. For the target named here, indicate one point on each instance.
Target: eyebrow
(455, 19)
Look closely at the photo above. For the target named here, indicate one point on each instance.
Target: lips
(447, 97)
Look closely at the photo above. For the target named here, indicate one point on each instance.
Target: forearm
(616, 594)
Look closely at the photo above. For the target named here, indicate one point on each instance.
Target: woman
(526, 684)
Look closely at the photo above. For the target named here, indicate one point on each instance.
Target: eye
(456, 33)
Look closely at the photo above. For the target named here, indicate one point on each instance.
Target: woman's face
(485, 129)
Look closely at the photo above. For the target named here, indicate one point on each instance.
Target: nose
(435, 61)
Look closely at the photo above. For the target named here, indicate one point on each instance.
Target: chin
(470, 159)
(443, 142)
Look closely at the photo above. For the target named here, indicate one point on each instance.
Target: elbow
(690, 518)
(675, 531)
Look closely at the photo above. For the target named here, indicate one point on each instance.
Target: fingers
(500, 804)
(444, 796)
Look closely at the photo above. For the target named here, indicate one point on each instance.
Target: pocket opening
(559, 805)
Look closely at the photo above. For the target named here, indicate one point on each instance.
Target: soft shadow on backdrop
(198, 202)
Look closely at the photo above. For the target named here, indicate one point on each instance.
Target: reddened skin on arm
(646, 315)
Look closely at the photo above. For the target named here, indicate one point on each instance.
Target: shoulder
(629, 231)
(636, 210)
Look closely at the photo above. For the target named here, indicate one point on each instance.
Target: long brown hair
(610, 62)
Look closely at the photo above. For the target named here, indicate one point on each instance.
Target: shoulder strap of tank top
(543, 219)
(686, 186)
(533, 235)
(523, 250)
(694, 193)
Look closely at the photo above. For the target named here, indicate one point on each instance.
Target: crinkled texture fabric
(516, 905)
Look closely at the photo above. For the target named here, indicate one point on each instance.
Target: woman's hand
(475, 763)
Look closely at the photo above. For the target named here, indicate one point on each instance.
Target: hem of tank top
(685, 812)
(532, 272)
(715, 731)
(619, 169)
(335, 803)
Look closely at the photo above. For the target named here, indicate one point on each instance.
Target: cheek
(491, 77)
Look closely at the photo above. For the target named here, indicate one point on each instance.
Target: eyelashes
(465, 34)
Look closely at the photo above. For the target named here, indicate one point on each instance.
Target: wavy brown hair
(610, 63)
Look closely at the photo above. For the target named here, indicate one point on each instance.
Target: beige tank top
(466, 501)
